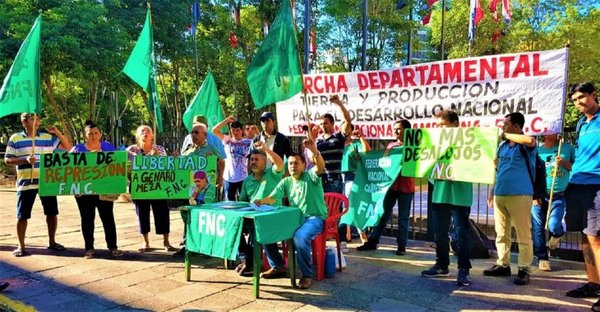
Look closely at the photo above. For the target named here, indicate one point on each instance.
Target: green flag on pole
(21, 91)
(275, 74)
(205, 102)
(141, 68)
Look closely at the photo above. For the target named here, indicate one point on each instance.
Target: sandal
(56, 247)
(144, 249)
(116, 253)
(170, 248)
(20, 252)
(89, 254)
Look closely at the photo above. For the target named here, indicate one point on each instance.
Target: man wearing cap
(236, 148)
(200, 191)
(275, 140)
(211, 138)
(258, 185)
(24, 150)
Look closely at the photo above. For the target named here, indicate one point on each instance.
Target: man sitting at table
(305, 191)
(255, 186)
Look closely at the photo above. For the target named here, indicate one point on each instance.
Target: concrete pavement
(154, 281)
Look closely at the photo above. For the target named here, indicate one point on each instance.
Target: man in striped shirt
(24, 150)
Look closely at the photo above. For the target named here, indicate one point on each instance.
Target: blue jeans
(303, 238)
(441, 214)
(404, 200)
(538, 224)
(232, 190)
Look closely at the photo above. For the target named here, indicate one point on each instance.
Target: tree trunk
(57, 110)
(92, 100)
(176, 103)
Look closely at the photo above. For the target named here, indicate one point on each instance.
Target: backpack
(539, 180)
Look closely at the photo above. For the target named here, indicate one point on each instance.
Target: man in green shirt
(304, 190)
(257, 185)
(451, 200)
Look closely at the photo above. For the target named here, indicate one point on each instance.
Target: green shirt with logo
(305, 193)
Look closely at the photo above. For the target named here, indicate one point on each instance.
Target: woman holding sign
(144, 146)
(89, 203)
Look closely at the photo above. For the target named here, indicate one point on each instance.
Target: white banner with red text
(481, 89)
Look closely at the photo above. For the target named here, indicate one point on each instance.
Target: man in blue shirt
(511, 198)
(583, 210)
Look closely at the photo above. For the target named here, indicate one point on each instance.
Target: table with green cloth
(215, 230)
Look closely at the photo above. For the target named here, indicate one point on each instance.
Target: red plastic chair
(334, 203)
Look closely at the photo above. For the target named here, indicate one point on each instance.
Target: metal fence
(483, 216)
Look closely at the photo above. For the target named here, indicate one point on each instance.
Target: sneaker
(366, 246)
(463, 278)
(522, 278)
(400, 251)
(553, 243)
(89, 254)
(345, 247)
(436, 271)
(179, 253)
(3, 286)
(596, 306)
(305, 283)
(589, 290)
(544, 265)
(273, 273)
(497, 270)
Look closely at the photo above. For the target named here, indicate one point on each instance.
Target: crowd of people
(251, 168)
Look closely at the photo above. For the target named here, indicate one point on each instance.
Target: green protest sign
(169, 177)
(375, 172)
(457, 154)
(90, 173)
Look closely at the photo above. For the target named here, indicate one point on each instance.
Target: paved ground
(154, 281)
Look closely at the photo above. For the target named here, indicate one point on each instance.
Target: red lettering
(452, 72)
(317, 82)
(470, 70)
(522, 66)
(308, 84)
(409, 77)
(329, 84)
(396, 80)
(434, 74)
(374, 81)
(421, 69)
(506, 60)
(534, 127)
(489, 69)
(363, 81)
(536, 66)
(384, 77)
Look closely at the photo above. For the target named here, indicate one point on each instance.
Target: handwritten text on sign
(83, 173)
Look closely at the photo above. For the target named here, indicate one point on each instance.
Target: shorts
(583, 208)
(25, 200)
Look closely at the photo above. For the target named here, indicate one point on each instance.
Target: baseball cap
(199, 175)
(267, 115)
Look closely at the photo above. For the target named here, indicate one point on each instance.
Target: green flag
(141, 68)
(21, 91)
(206, 103)
(274, 74)
(374, 174)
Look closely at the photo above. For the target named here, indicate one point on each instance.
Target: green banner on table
(457, 154)
(216, 233)
(375, 172)
(89, 173)
(169, 177)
